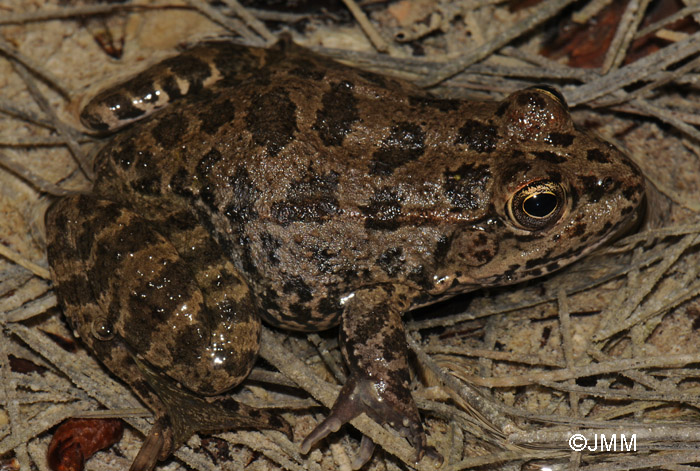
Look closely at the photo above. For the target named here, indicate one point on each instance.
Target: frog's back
(306, 172)
(319, 179)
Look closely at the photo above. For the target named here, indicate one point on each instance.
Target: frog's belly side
(300, 272)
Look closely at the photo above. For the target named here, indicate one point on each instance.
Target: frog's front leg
(373, 343)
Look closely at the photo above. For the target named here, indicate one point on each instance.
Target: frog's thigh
(147, 297)
(206, 65)
(373, 342)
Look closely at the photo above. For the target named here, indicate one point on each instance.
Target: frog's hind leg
(156, 321)
(206, 65)
(187, 414)
(373, 343)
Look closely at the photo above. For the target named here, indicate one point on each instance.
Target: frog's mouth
(629, 224)
(632, 224)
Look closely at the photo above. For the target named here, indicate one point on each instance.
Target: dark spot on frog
(244, 251)
(190, 68)
(228, 279)
(405, 143)
(596, 155)
(466, 187)
(441, 104)
(510, 271)
(421, 277)
(135, 235)
(141, 387)
(205, 166)
(106, 218)
(143, 89)
(232, 60)
(442, 248)
(74, 289)
(183, 356)
(180, 181)
(383, 211)
(535, 262)
(595, 188)
(231, 404)
(516, 166)
(391, 261)
(306, 69)
(477, 136)
(574, 252)
(169, 130)
(335, 119)
(268, 302)
(628, 163)
(297, 286)
(559, 139)
(93, 121)
(552, 267)
(330, 307)
(204, 254)
(375, 79)
(59, 221)
(480, 240)
(300, 313)
(206, 194)
(534, 273)
(124, 156)
(272, 120)
(324, 259)
(171, 88)
(522, 237)
(245, 194)
(531, 99)
(367, 327)
(573, 198)
(216, 115)
(631, 191)
(123, 109)
(483, 256)
(150, 178)
(502, 109)
(578, 230)
(555, 177)
(270, 245)
(550, 157)
(312, 199)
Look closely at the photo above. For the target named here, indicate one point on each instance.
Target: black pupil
(540, 205)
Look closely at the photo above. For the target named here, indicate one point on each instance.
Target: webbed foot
(365, 395)
(185, 414)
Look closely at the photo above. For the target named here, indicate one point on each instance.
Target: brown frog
(284, 186)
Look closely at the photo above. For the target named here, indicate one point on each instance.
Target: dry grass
(608, 345)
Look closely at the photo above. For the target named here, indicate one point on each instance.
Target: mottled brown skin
(287, 186)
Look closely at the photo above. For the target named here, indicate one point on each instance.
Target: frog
(242, 185)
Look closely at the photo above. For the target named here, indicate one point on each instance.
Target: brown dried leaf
(76, 440)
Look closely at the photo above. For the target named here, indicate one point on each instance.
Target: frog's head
(556, 193)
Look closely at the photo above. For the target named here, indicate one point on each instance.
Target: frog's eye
(102, 329)
(536, 205)
(552, 93)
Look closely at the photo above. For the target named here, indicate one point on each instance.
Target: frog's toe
(250, 417)
(154, 448)
(362, 395)
(364, 454)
